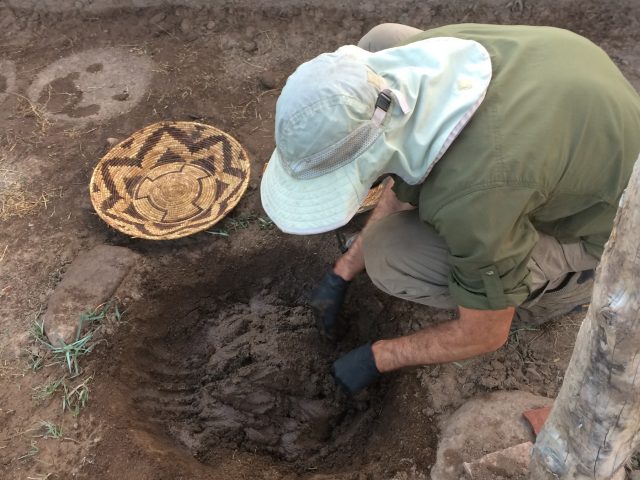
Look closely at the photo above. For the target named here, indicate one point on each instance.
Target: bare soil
(216, 369)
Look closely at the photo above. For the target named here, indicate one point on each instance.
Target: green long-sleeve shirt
(550, 149)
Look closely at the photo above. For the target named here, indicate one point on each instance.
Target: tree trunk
(594, 426)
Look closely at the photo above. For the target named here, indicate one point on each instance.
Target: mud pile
(259, 381)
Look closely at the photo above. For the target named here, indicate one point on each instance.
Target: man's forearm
(475, 332)
(352, 261)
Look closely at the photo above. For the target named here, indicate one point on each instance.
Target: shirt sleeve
(405, 192)
(490, 239)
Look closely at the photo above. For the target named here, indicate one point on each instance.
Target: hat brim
(315, 205)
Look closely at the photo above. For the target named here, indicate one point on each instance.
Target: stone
(512, 463)
(484, 425)
(211, 25)
(112, 141)
(267, 80)
(121, 97)
(250, 46)
(185, 26)
(157, 18)
(227, 43)
(90, 280)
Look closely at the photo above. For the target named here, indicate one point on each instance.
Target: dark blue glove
(356, 369)
(326, 300)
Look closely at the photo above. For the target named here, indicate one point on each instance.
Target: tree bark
(594, 426)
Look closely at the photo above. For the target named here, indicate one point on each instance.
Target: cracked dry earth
(216, 370)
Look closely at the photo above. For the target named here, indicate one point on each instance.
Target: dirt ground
(215, 369)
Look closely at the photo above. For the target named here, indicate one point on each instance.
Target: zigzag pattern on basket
(170, 180)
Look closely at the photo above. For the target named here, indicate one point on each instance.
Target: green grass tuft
(46, 391)
(68, 354)
(76, 398)
(33, 451)
(51, 430)
(74, 390)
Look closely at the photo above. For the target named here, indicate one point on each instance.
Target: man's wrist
(380, 356)
(344, 273)
(346, 268)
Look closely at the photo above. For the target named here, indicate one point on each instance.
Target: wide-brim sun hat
(170, 180)
(346, 118)
(313, 189)
(373, 195)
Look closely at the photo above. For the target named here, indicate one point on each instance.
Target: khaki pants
(405, 257)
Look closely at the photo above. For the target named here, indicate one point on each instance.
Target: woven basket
(372, 198)
(170, 180)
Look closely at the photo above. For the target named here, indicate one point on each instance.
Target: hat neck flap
(437, 85)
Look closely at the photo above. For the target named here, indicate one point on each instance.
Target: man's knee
(405, 258)
(375, 249)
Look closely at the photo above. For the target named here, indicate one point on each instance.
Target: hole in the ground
(257, 378)
(238, 364)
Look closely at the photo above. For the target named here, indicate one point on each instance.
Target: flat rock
(185, 26)
(511, 463)
(90, 280)
(481, 426)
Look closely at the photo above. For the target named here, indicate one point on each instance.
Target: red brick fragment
(537, 418)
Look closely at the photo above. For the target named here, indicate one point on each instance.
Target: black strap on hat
(383, 103)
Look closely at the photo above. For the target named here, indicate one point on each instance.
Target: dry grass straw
(28, 109)
(16, 199)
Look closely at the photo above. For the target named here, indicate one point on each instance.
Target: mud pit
(218, 371)
(242, 372)
(254, 377)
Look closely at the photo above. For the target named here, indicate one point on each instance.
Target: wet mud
(241, 367)
(258, 380)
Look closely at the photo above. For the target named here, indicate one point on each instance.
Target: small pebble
(111, 141)
(228, 43)
(267, 80)
(211, 25)
(157, 18)
(250, 46)
(79, 4)
(185, 25)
